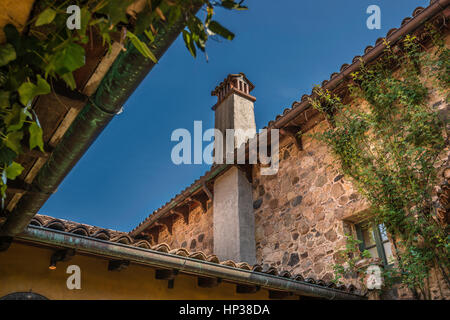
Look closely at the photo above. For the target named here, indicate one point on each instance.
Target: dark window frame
(379, 242)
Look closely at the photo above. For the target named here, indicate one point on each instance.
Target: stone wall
(197, 235)
(303, 212)
(299, 211)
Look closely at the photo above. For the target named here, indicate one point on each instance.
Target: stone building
(284, 229)
(296, 219)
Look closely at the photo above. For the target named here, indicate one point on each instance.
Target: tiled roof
(123, 238)
(296, 105)
(212, 172)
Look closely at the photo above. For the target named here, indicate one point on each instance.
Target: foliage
(390, 146)
(48, 51)
(351, 255)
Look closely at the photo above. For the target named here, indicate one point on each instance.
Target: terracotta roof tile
(285, 274)
(180, 252)
(213, 258)
(243, 265)
(162, 247)
(229, 263)
(143, 244)
(198, 256)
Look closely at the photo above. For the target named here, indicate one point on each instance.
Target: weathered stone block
(294, 259)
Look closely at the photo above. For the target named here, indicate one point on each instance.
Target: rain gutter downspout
(187, 265)
(416, 22)
(124, 76)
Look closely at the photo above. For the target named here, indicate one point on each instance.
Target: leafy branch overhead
(47, 51)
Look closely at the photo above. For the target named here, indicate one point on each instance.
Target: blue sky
(284, 47)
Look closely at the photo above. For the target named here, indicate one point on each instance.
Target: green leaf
(36, 136)
(217, 28)
(3, 193)
(70, 80)
(42, 86)
(13, 170)
(116, 11)
(7, 54)
(15, 118)
(45, 17)
(232, 5)
(7, 155)
(85, 18)
(12, 141)
(28, 90)
(149, 35)
(4, 99)
(141, 47)
(69, 58)
(189, 43)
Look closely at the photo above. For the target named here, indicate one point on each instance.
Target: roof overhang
(72, 120)
(187, 265)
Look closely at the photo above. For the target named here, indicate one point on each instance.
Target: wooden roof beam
(295, 133)
(182, 211)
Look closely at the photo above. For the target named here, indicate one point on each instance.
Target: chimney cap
(229, 79)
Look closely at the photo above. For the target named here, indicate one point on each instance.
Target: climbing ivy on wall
(48, 51)
(390, 147)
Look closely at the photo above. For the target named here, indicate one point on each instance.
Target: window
(375, 240)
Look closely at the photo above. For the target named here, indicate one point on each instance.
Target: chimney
(233, 217)
(234, 109)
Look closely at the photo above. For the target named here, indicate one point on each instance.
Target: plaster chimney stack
(233, 217)
(234, 110)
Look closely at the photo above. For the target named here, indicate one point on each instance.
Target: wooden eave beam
(167, 222)
(201, 199)
(165, 274)
(118, 265)
(246, 289)
(205, 282)
(292, 131)
(183, 212)
(154, 232)
(207, 191)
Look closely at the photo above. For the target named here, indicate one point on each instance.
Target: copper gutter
(113, 250)
(123, 77)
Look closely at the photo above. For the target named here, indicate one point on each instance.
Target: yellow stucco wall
(15, 12)
(24, 268)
